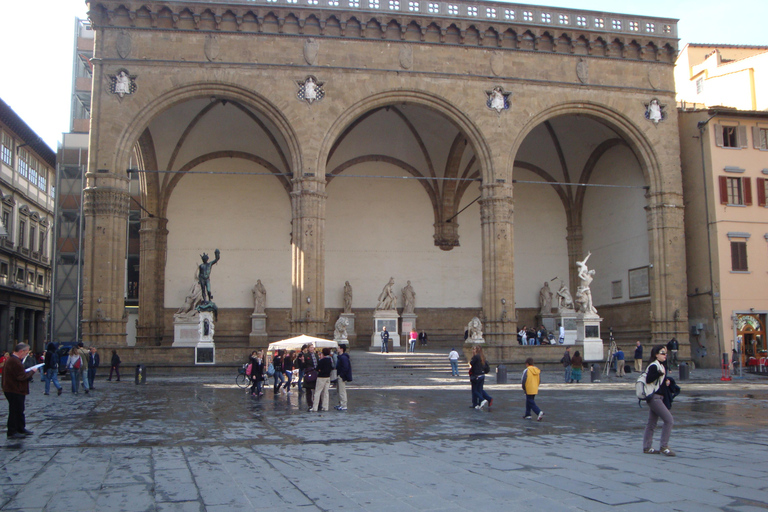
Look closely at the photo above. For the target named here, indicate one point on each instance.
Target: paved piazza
(198, 443)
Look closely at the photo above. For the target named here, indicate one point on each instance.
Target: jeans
(288, 379)
(568, 374)
(455, 367)
(413, 345)
(74, 374)
(478, 393)
(256, 386)
(51, 375)
(657, 410)
(91, 376)
(83, 372)
(116, 369)
(278, 375)
(301, 379)
(384, 346)
(530, 405)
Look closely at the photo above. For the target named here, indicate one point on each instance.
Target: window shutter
(735, 256)
(747, 191)
(723, 190)
(756, 137)
(719, 135)
(760, 183)
(742, 135)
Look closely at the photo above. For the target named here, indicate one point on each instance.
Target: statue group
(565, 302)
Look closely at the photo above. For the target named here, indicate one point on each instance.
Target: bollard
(683, 368)
(594, 373)
(501, 374)
(141, 374)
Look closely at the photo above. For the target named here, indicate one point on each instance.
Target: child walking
(531, 379)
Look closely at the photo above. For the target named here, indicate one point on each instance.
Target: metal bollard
(501, 374)
(683, 368)
(141, 374)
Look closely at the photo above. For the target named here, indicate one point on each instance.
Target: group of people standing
(533, 336)
(312, 373)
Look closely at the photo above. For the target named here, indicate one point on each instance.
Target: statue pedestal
(588, 334)
(258, 336)
(351, 334)
(474, 341)
(408, 322)
(188, 331)
(389, 319)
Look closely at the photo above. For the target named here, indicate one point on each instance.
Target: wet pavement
(201, 443)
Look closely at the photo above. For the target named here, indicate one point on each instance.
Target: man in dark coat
(16, 388)
(93, 364)
(344, 370)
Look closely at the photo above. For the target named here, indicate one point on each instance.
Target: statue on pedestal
(564, 299)
(191, 301)
(475, 330)
(347, 297)
(545, 300)
(259, 298)
(387, 298)
(409, 299)
(583, 293)
(204, 276)
(340, 329)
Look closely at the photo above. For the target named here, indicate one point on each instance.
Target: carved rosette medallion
(582, 71)
(311, 49)
(497, 99)
(122, 83)
(406, 56)
(211, 47)
(123, 44)
(310, 89)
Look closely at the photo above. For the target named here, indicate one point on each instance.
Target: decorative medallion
(497, 63)
(211, 47)
(122, 83)
(654, 111)
(310, 90)
(654, 78)
(582, 71)
(498, 100)
(123, 44)
(311, 47)
(406, 56)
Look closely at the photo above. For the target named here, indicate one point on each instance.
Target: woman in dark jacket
(658, 376)
(477, 370)
(257, 372)
(114, 365)
(288, 364)
(279, 378)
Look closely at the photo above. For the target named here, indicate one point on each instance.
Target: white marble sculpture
(122, 84)
(409, 299)
(545, 300)
(259, 297)
(654, 111)
(564, 298)
(347, 297)
(583, 293)
(387, 298)
(475, 330)
(191, 301)
(340, 329)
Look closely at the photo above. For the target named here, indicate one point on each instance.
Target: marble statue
(259, 298)
(122, 84)
(497, 99)
(583, 293)
(545, 300)
(409, 298)
(654, 111)
(475, 329)
(310, 89)
(191, 301)
(347, 297)
(387, 298)
(204, 276)
(564, 299)
(340, 329)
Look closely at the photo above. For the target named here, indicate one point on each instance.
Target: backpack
(249, 369)
(643, 390)
(486, 368)
(271, 370)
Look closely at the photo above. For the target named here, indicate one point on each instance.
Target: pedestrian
(114, 366)
(84, 369)
(619, 355)
(522, 335)
(566, 360)
(74, 366)
(310, 374)
(344, 370)
(278, 377)
(453, 357)
(412, 340)
(531, 380)
(577, 363)
(51, 368)
(638, 357)
(288, 363)
(257, 372)
(384, 340)
(478, 367)
(423, 338)
(672, 348)
(657, 375)
(561, 338)
(93, 364)
(323, 384)
(301, 366)
(3, 359)
(16, 388)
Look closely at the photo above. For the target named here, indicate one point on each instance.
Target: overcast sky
(36, 57)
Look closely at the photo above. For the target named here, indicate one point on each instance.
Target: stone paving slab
(203, 445)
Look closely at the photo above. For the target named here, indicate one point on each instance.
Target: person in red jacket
(16, 388)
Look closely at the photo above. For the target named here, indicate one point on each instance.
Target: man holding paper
(16, 388)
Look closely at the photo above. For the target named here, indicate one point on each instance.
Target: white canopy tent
(298, 341)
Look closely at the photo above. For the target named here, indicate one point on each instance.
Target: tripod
(611, 350)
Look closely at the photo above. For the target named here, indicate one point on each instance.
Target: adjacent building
(722, 94)
(27, 192)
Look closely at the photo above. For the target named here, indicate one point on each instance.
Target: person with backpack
(478, 367)
(74, 366)
(530, 381)
(656, 387)
(51, 368)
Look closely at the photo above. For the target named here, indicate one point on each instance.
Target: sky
(36, 60)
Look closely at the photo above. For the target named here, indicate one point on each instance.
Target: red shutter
(747, 190)
(760, 183)
(723, 189)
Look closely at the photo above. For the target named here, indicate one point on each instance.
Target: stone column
(308, 256)
(106, 202)
(154, 248)
(496, 213)
(5, 327)
(20, 313)
(669, 303)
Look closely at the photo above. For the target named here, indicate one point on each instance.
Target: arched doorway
(750, 329)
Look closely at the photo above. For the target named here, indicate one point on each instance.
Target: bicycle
(242, 379)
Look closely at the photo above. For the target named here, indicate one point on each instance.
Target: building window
(760, 137)
(6, 151)
(373, 4)
(581, 21)
(616, 24)
(23, 165)
(509, 14)
(7, 221)
(650, 27)
(739, 257)
(354, 3)
(433, 8)
(735, 191)
(413, 6)
(527, 16)
(490, 13)
(42, 179)
(667, 29)
(546, 17)
(19, 275)
(634, 26)
(333, 3)
(730, 136)
(41, 245)
(33, 171)
(40, 280)
(564, 19)
(30, 278)
(32, 236)
(394, 5)
(599, 23)
(22, 231)
(699, 86)
(762, 191)
(53, 191)
(3, 269)
(471, 11)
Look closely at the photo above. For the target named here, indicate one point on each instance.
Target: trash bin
(683, 367)
(141, 374)
(594, 373)
(501, 374)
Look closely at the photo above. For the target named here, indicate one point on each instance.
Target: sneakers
(340, 408)
(477, 407)
(59, 392)
(651, 451)
(666, 451)
(526, 417)
(541, 415)
(483, 403)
